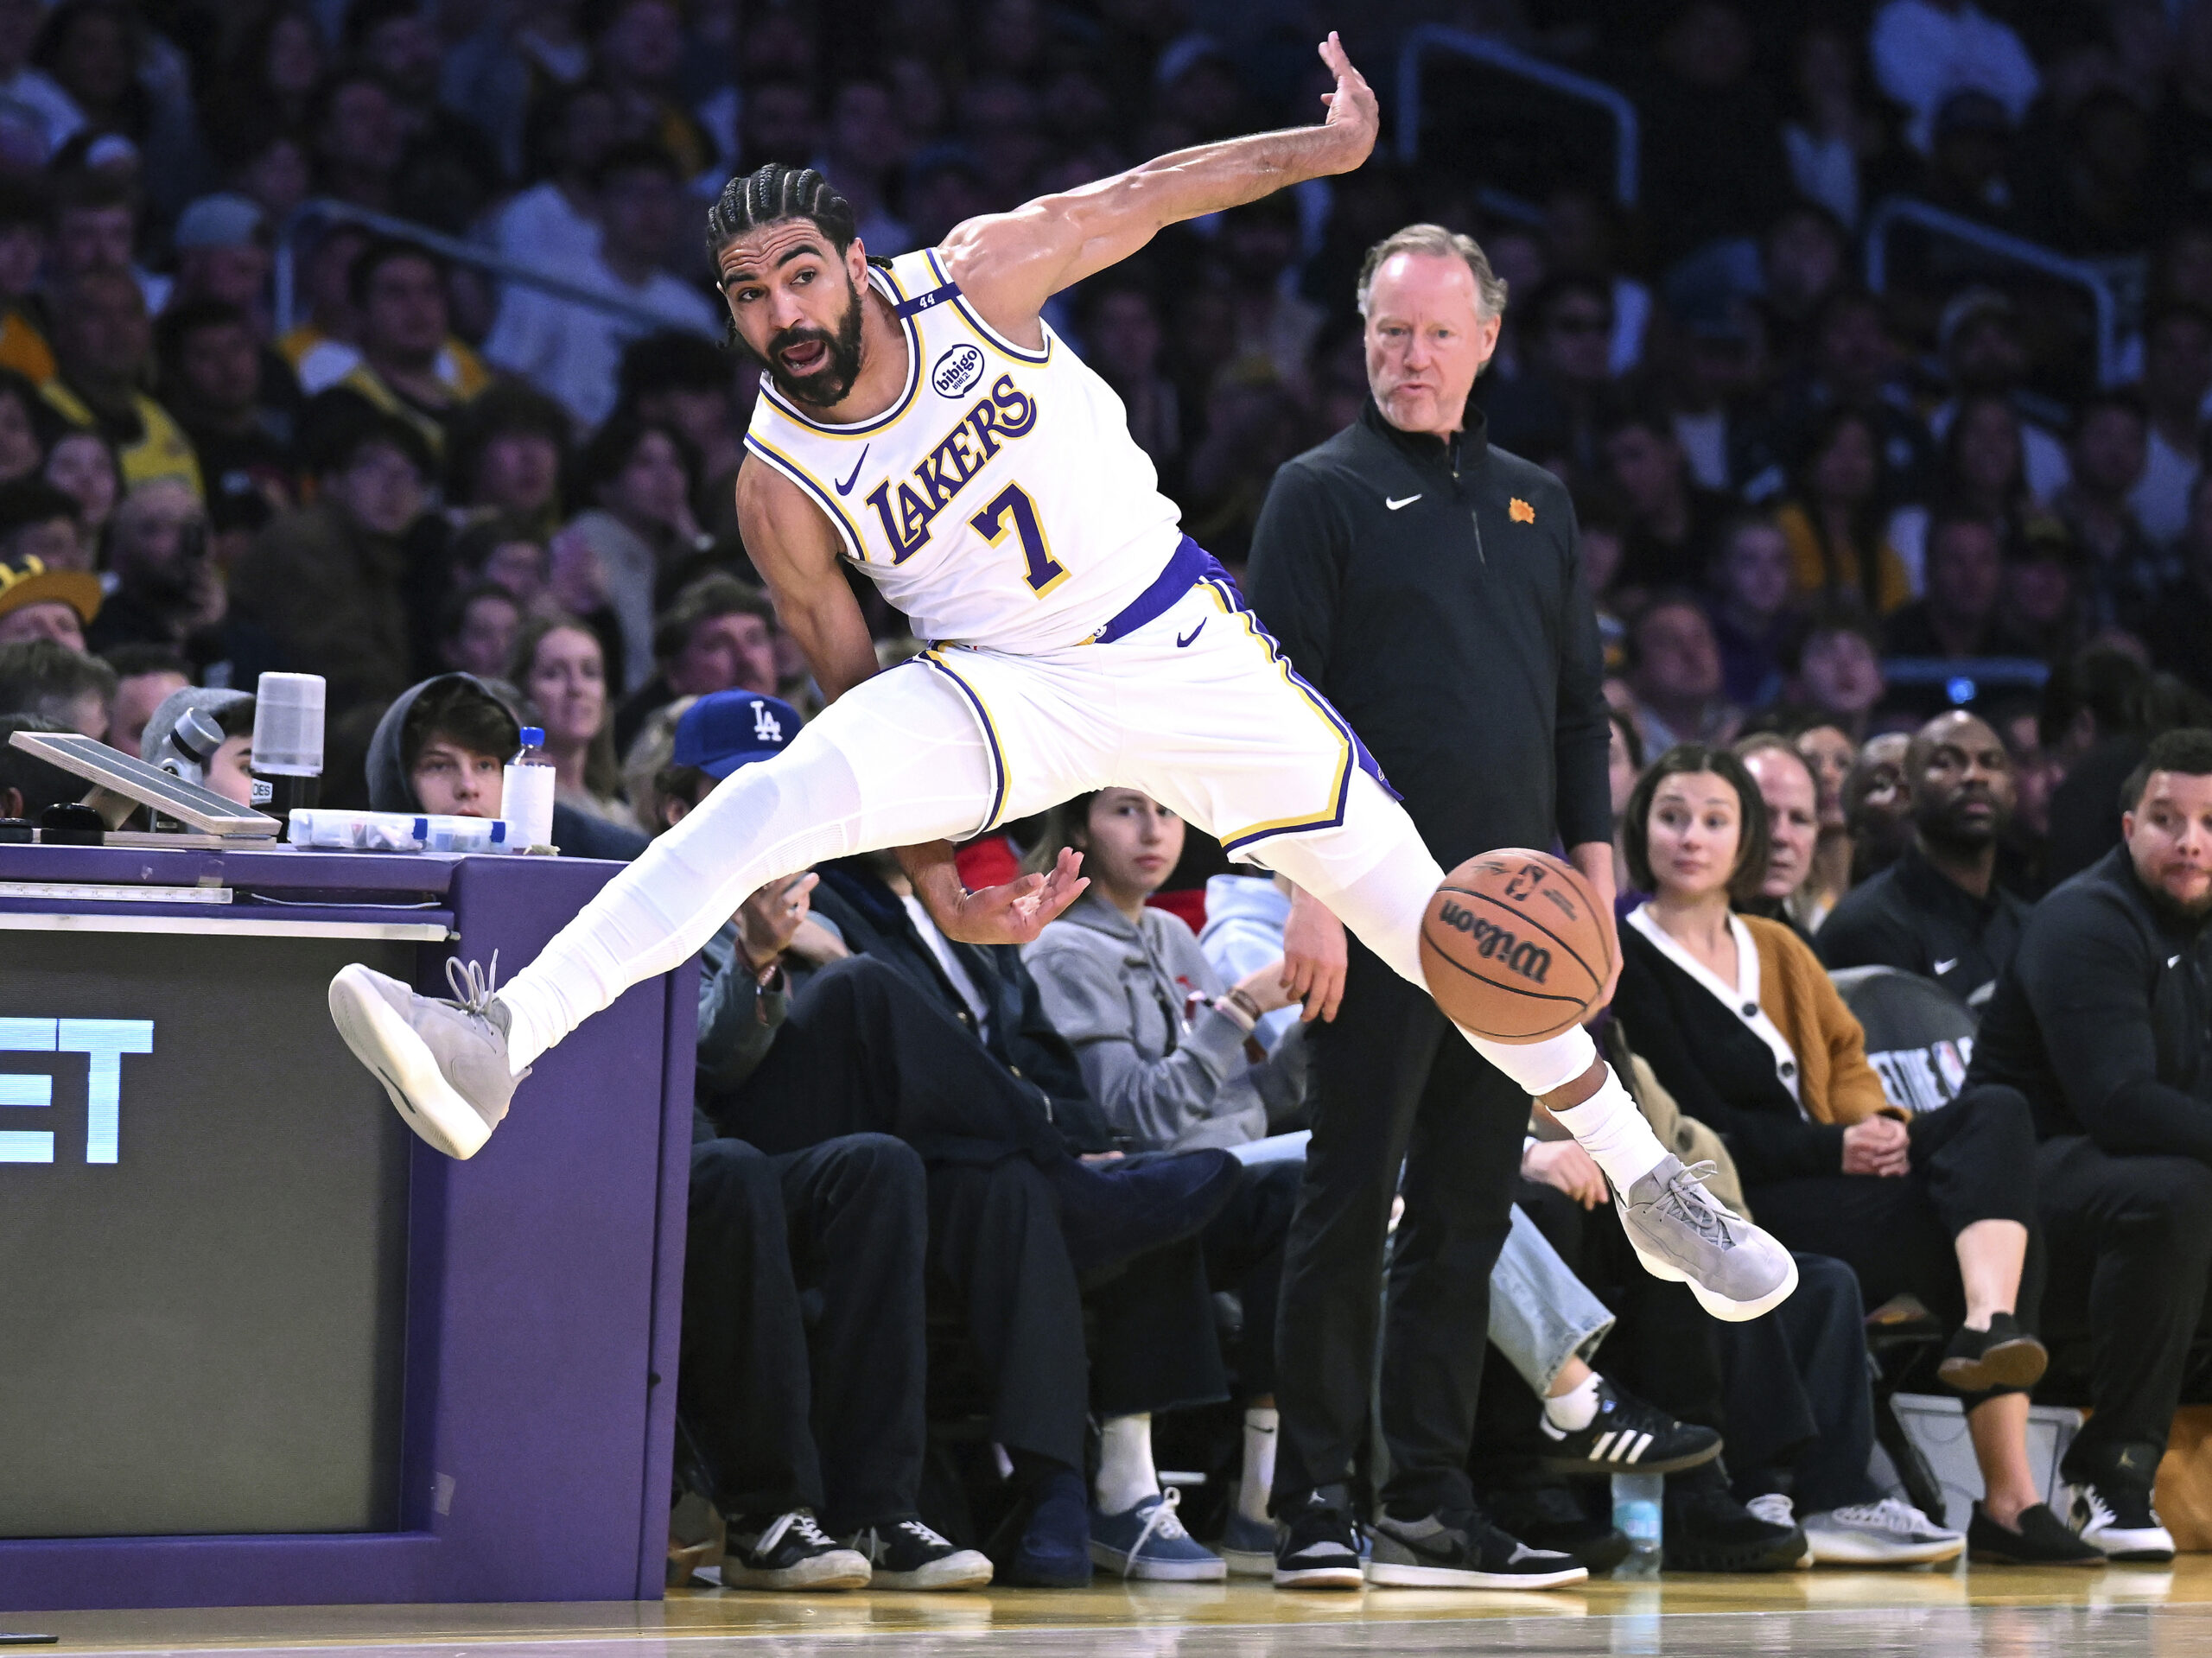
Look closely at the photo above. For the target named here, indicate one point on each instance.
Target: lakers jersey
(1000, 500)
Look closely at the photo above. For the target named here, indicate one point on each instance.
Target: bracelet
(1243, 1011)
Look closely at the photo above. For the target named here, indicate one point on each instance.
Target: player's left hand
(1017, 912)
(1351, 106)
(1314, 958)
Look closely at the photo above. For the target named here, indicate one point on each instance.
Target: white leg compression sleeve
(879, 768)
(1376, 877)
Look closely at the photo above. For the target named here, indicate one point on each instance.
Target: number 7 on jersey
(1043, 571)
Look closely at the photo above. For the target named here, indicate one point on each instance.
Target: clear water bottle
(1639, 1505)
(526, 801)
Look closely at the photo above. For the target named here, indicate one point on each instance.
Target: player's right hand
(1351, 106)
(1016, 913)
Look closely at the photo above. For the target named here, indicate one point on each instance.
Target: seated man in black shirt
(1938, 911)
(2104, 1020)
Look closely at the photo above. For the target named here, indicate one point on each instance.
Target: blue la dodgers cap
(725, 730)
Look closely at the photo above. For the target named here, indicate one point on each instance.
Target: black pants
(995, 1249)
(838, 1428)
(1395, 1085)
(1972, 1161)
(863, 1051)
(1157, 1346)
(1799, 1394)
(2130, 1244)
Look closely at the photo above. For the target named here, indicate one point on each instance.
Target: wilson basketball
(1513, 946)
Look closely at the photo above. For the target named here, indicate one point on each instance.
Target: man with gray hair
(1430, 586)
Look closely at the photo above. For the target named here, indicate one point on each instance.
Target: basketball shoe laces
(1161, 1522)
(472, 985)
(1709, 1218)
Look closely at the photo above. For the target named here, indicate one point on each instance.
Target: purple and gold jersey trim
(992, 336)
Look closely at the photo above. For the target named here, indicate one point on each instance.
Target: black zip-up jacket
(1433, 593)
(2104, 1020)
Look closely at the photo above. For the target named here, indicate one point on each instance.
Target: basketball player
(920, 420)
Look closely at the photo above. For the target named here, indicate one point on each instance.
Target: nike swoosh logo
(1188, 637)
(846, 488)
(2171, 960)
(1941, 968)
(1395, 505)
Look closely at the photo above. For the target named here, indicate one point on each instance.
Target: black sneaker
(2003, 1355)
(1551, 1516)
(1626, 1437)
(1462, 1551)
(2041, 1538)
(2116, 1516)
(1705, 1529)
(907, 1554)
(788, 1551)
(1320, 1546)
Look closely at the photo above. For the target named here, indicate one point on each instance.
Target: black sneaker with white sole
(1462, 1551)
(907, 1554)
(788, 1551)
(1319, 1545)
(1626, 1437)
(1705, 1529)
(2117, 1516)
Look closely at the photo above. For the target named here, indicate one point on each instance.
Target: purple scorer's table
(258, 1344)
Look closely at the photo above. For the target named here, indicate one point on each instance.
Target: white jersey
(1001, 500)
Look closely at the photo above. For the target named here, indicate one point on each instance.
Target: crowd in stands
(1906, 595)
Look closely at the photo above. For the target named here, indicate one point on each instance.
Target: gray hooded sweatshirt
(1117, 989)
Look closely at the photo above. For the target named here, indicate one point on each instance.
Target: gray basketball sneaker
(1682, 1233)
(443, 1063)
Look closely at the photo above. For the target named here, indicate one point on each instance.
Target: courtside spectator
(2101, 1021)
(510, 448)
(406, 363)
(572, 351)
(477, 630)
(39, 521)
(505, 551)
(558, 664)
(83, 462)
(103, 350)
(145, 676)
(639, 478)
(48, 680)
(211, 374)
(40, 602)
(1877, 804)
(325, 580)
(798, 1416)
(720, 635)
(1938, 911)
(1785, 783)
(1673, 666)
(1741, 1026)
(1837, 675)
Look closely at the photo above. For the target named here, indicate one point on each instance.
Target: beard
(2191, 913)
(1954, 831)
(829, 385)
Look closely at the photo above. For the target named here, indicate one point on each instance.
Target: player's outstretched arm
(1008, 264)
(795, 551)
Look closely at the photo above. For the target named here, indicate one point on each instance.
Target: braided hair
(775, 192)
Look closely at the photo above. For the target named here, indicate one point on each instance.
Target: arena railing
(1437, 38)
(1893, 211)
(318, 210)
(1964, 678)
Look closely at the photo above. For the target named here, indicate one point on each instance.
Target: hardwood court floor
(2118, 1612)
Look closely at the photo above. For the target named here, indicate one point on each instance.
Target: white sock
(1574, 1409)
(1614, 1132)
(1261, 1423)
(1126, 1476)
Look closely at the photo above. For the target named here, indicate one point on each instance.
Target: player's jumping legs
(1375, 874)
(898, 759)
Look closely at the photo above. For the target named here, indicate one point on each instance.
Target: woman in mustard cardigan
(1739, 1022)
